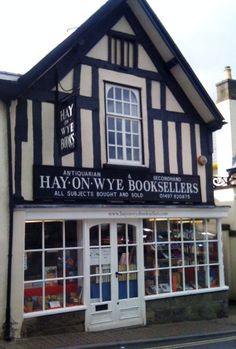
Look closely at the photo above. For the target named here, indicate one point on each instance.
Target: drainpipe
(8, 322)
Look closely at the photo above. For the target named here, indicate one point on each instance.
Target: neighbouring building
(224, 159)
(114, 221)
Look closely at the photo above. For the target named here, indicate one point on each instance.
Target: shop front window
(180, 255)
(53, 265)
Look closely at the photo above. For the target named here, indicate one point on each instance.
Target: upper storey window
(123, 125)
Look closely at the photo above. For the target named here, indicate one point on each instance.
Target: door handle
(117, 274)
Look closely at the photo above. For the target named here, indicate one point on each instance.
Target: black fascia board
(183, 63)
(67, 45)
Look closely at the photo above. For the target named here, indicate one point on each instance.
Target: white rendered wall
(3, 212)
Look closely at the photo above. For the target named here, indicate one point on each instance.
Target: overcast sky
(204, 31)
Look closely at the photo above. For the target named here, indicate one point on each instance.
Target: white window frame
(42, 282)
(126, 142)
(170, 267)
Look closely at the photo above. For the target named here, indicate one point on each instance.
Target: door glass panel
(132, 258)
(106, 288)
(100, 263)
(123, 289)
(105, 234)
(121, 234)
(93, 236)
(127, 261)
(133, 289)
(122, 259)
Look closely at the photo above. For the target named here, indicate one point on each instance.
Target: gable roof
(173, 62)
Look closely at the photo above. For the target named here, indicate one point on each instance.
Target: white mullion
(100, 264)
(207, 256)
(169, 247)
(195, 254)
(182, 252)
(220, 252)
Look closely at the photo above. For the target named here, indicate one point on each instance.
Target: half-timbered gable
(111, 138)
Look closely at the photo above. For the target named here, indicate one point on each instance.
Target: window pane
(128, 154)
(112, 152)
(175, 230)
(162, 230)
(127, 125)
(131, 234)
(74, 259)
(33, 294)
(164, 281)
(150, 283)
(110, 106)
(53, 264)
(71, 233)
(135, 140)
(149, 256)
(118, 93)
(200, 229)
(126, 109)
(119, 153)
(94, 236)
(118, 107)
(176, 254)
(105, 234)
(74, 292)
(188, 229)
(136, 155)
(119, 124)
(110, 93)
(133, 289)
(202, 277)
(126, 95)
(33, 266)
(214, 276)
(128, 140)
(212, 229)
(189, 255)
(95, 289)
(119, 139)
(53, 295)
(111, 123)
(213, 252)
(134, 110)
(121, 233)
(177, 280)
(53, 234)
(135, 126)
(190, 279)
(33, 236)
(201, 253)
(133, 97)
(106, 288)
(163, 255)
(111, 138)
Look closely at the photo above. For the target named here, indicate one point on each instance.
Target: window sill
(185, 293)
(54, 311)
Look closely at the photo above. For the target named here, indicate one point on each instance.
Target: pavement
(134, 337)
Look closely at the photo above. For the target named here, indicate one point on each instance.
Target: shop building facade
(114, 217)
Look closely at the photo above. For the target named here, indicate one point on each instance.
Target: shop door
(115, 297)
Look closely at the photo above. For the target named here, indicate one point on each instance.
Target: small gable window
(123, 123)
(122, 51)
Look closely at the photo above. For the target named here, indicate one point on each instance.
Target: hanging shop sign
(66, 130)
(66, 183)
